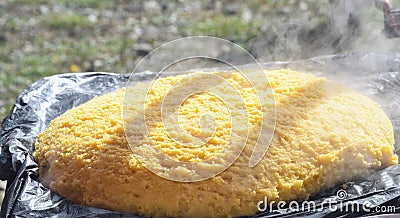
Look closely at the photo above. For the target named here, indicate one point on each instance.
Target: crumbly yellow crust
(325, 134)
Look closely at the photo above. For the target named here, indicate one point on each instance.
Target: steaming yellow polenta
(325, 134)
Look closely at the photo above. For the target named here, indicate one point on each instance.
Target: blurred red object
(391, 20)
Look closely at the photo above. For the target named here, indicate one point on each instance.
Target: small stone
(57, 8)
(246, 15)
(97, 63)
(230, 10)
(136, 32)
(131, 21)
(143, 49)
(152, 7)
(286, 10)
(92, 18)
(28, 47)
(87, 66)
(218, 7)
(43, 9)
(303, 6)
(3, 38)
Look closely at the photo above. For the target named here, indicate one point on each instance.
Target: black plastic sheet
(373, 74)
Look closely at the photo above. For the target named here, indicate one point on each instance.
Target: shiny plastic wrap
(375, 75)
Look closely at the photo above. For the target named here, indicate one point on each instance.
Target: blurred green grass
(99, 4)
(227, 27)
(46, 37)
(66, 21)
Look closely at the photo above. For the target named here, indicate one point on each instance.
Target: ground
(46, 37)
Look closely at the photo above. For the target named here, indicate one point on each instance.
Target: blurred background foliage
(46, 37)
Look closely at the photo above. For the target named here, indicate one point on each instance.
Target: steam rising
(339, 26)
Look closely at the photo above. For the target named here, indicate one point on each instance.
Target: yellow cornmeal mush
(325, 134)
